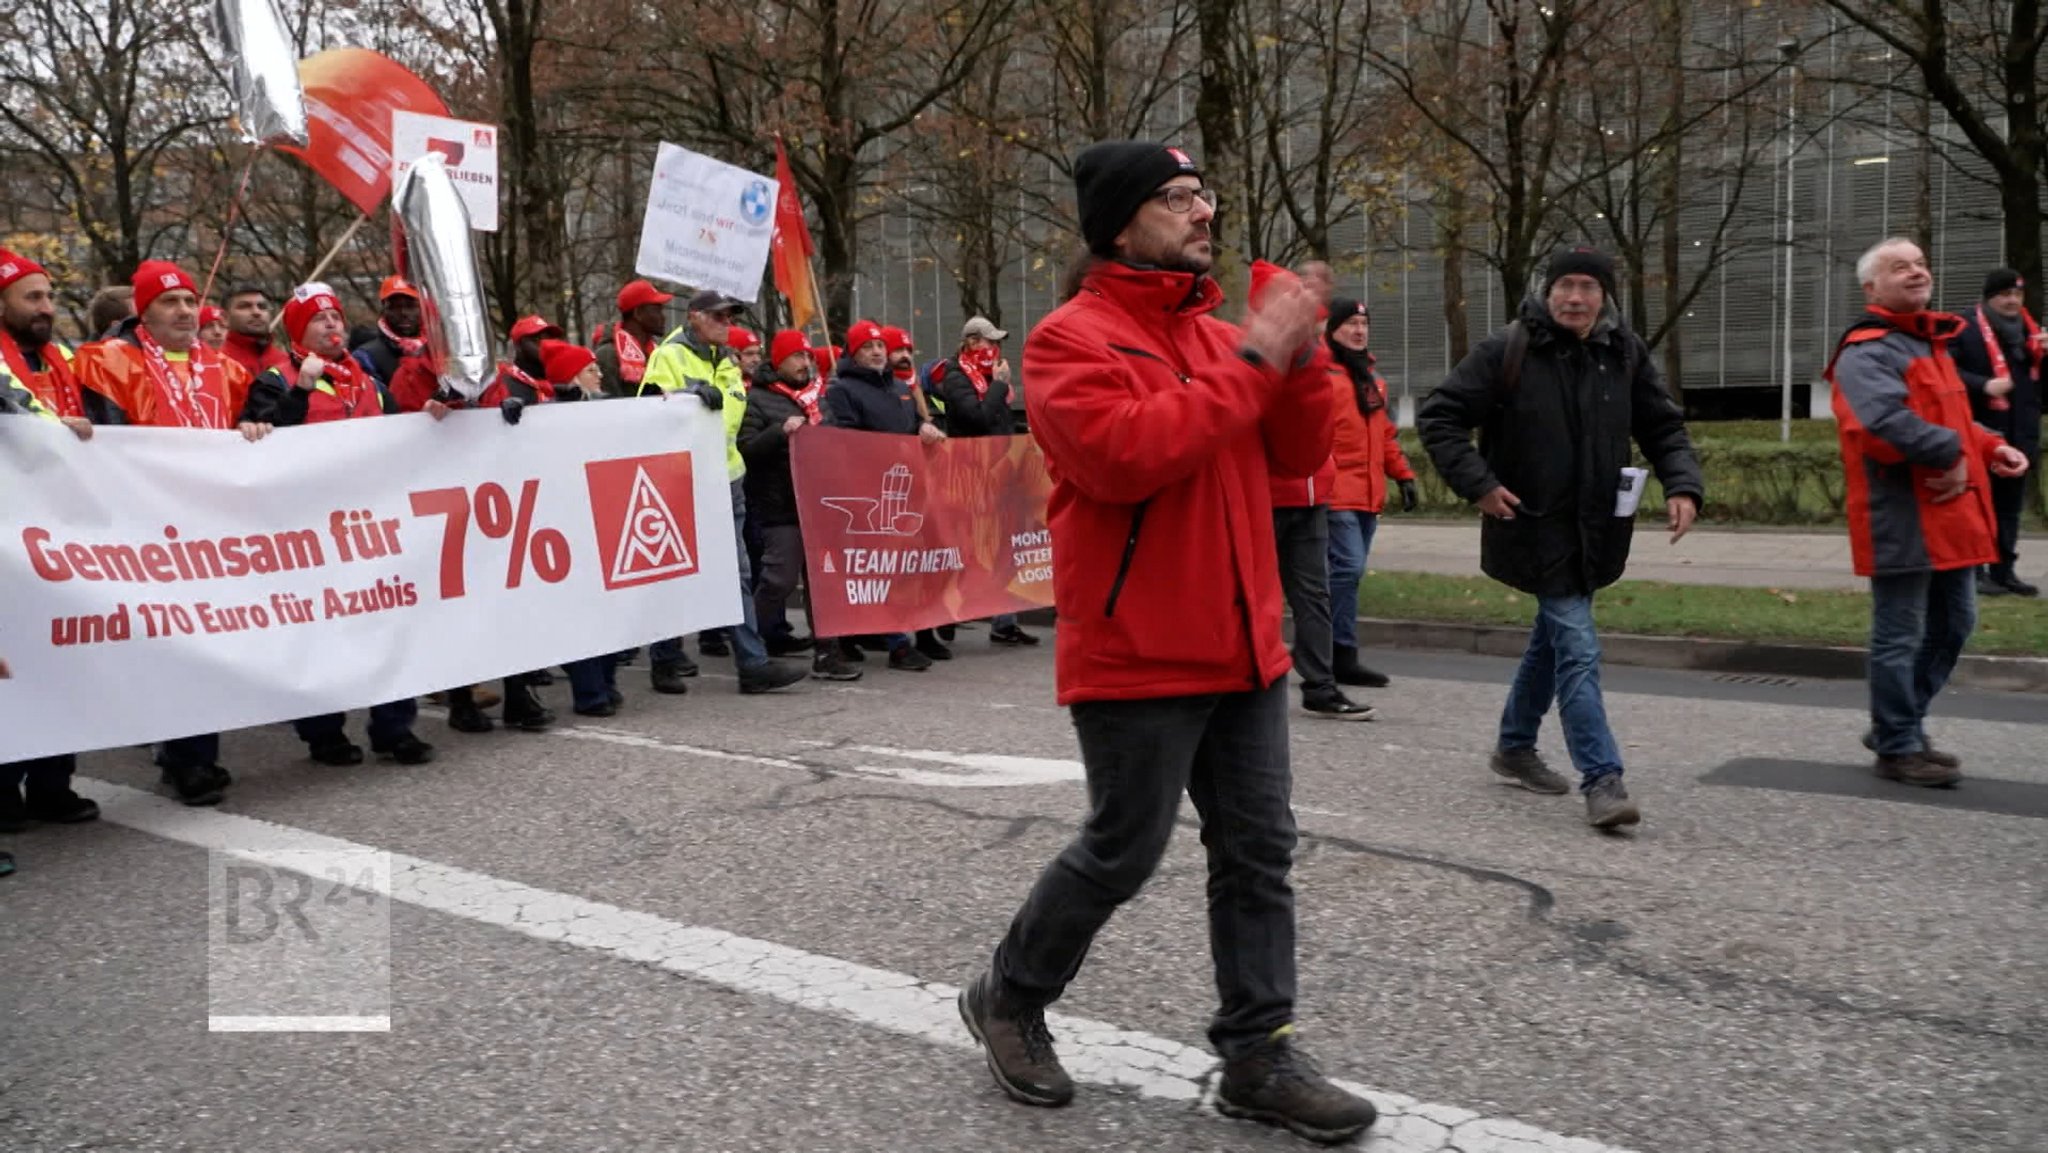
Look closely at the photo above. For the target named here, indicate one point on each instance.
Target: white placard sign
(708, 224)
(471, 151)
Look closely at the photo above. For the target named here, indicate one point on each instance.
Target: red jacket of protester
(1292, 490)
(1160, 439)
(256, 355)
(1367, 445)
(1903, 418)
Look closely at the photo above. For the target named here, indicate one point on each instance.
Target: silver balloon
(271, 105)
(441, 262)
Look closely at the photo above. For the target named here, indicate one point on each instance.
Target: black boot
(1344, 662)
(1275, 1083)
(463, 714)
(523, 709)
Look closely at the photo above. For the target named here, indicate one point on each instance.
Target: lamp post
(1788, 49)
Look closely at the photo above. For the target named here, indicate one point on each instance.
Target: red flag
(350, 96)
(792, 245)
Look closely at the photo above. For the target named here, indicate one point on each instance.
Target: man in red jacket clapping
(1159, 424)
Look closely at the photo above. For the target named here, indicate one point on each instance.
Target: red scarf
(407, 345)
(542, 390)
(806, 398)
(979, 365)
(632, 358)
(1999, 368)
(54, 386)
(196, 400)
(341, 376)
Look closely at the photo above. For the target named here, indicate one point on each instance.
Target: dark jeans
(2008, 500)
(780, 575)
(388, 723)
(1919, 623)
(1351, 535)
(1302, 536)
(187, 752)
(1229, 754)
(592, 679)
(1562, 664)
(41, 775)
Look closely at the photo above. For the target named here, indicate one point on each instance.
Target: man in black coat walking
(2000, 357)
(1556, 397)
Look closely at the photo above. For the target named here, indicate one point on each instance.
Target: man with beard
(1367, 451)
(399, 333)
(248, 341)
(624, 346)
(777, 410)
(154, 372)
(28, 352)
(323, 385)
(1160, 426)
(2000, 356)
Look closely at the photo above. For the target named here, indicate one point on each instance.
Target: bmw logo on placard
(754, 202)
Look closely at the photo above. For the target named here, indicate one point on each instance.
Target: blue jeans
(1350, 541)
(1003, 622)
(1919, 623)
(1562, 663)
(748, 650)
(592, 679)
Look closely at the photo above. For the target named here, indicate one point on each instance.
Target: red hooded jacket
(1160, 439)
(1368, 445)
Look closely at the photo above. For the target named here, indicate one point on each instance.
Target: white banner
(470, 148)
(166, 582)
(708, 224)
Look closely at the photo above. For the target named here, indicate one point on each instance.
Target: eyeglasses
(1180, 198)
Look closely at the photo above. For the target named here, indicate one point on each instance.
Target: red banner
(900, 537)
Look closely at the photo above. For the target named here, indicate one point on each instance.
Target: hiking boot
(1017, 1044)
(339, 753)
(1608, 805)
(1525, 767)
(465, 717)
(769, 676)
(1990, 586)
(60, 806)
(1344, 663)
(2017, 587)
(523, 710)
(406, 750)
(1275, 1083)
(196, 784)
(788, 645)
(1011, 635)
(908, 659)
(1927, 752)
(670, 678)
(1336, 706)
(1916, 769)
(13, 814)
(931, 646)
(713, 645)
(829, 665)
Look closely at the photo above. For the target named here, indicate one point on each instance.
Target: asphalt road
(734, 923)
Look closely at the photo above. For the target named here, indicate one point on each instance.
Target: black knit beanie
(1112, 181)
(2003, 280)
(1343, 308)
(1580, 260)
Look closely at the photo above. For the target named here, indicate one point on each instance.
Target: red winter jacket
(1903, 417)
(1367, 447)
(1160, 439)
(1293, 490)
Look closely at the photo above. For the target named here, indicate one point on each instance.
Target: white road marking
(231, 1024)
(909, 1006)
(963, 770)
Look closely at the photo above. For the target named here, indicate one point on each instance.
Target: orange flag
(350, 96)
(792, 246)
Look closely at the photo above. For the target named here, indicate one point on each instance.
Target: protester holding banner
(972, 390)
(398, 332)
(29, 350)
(623, 346)
(593, 681)
(777, 411)
(248, 342)
(694, 360)
(1160, 425)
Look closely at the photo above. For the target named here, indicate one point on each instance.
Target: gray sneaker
(1608, 805)
(1524, 767)
(1017, 1043)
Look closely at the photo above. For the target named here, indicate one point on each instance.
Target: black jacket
(968, 415)
(2020, 422)
(870, 401)
(771, 493)
(1559, 443)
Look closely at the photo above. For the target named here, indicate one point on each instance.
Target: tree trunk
(1223, 149)
(1451, 249)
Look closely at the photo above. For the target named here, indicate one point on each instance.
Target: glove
(713, 399)
(1408, 497)
(512, 407)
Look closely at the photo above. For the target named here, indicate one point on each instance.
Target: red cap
(896, 338)
(786, 344)
(13, 268)
(307, 302)
(211, 314)
(561, 361)
(862, 332)
(535, 326)
(153, 278)
(396, 286)
(640, 292)
(739, 339)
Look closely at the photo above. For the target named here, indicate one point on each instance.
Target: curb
(1812, 662)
